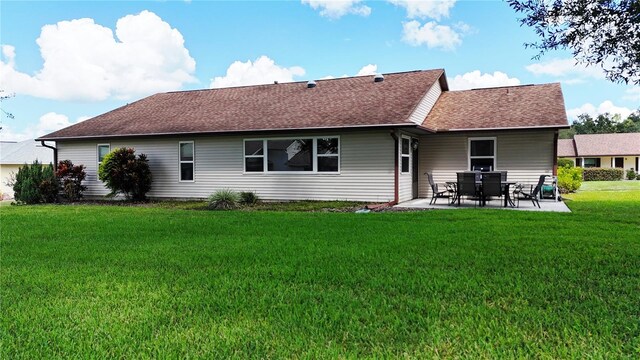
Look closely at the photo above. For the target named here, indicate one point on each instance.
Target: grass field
(109, 281)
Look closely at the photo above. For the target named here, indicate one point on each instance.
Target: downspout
(555, 153)
(396, 175)
(55, 154)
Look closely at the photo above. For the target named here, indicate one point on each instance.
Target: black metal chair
(491, 185)
(437, 193)
(503, 176)
(533, 193)
(466, 186)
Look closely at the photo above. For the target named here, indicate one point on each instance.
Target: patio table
(504, 184)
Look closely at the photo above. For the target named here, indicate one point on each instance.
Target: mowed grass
(141, 282)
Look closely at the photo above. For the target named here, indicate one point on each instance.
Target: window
(187, 157)
(406, 154)
(591, 162)
(482, 154)
(304, 155)
(103, 150)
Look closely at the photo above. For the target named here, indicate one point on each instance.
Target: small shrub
(631, 174)
(248, 198)
(602, 174)
(569, 179)
(70, 177)
(124, 173)
(35, 184)
(566, 163)
(224, 199)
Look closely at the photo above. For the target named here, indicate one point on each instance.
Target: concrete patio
(525, 205)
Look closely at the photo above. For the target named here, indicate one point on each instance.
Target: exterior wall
(366, 168)
(605, 161)
(6, 191)
(525, 154)
(405, 180)
(426, 104)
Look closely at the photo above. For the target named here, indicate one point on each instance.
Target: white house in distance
(361, 138)
(15, 154)
(602, 150)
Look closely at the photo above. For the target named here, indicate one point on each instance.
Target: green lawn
(114, 282)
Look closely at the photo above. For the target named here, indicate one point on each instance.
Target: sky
(65, 62)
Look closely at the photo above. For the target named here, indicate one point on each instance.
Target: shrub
(224, 199)
(566, 163)
(248, 198)
(70, 177)
(124, 173)
(631, 174)
(35, 184)
(569, 179)
(600, 174)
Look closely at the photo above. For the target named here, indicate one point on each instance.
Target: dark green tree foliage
(125, 173)
(35, 184)
(602, 124)
(70, 177)
(598, 32)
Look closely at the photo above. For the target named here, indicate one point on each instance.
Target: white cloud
(633, 94)
(84, 61)
(430, 34)
(47, 123)
(434, 9)
(475, 79)
(567, 69)
(605, 107)
(366, 70)
(262, 71)
(337, 8)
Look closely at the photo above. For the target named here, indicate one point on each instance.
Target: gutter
(55, 154)
(396, 172)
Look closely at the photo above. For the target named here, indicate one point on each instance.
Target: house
(602, 150)
(361, 138)
(15, 154)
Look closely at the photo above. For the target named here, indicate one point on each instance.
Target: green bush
(249, 198)
(567, 163)
(631, 174)
(35, 184)
(70, 177)
(569, 179)
(124, 173)
(224, 199)
(602, 174)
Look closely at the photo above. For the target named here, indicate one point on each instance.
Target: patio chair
(466, 186)
(491, 185)
(436, 193)
(533, 194)
(503, 176)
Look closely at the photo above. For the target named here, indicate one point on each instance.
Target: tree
(124, 173)
(602, 32)
(35, 183)
(602, 124)
(70, 177)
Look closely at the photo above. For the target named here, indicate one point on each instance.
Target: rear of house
(360, 138)
(602, 150)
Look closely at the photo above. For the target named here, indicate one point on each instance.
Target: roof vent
(378, 78)
(311, 84)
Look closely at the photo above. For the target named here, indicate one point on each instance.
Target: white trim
(193, 161)
(98, 153)
(314, 156)
(495, 151)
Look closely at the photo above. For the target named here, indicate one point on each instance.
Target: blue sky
(69, 61)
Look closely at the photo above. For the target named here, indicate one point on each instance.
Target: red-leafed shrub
(70, 177)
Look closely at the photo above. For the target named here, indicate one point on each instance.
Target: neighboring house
(15, 154)
(602, 150)
(360, 138)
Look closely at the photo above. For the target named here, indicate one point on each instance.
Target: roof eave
(506, 128)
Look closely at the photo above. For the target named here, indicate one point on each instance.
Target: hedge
(600, 174)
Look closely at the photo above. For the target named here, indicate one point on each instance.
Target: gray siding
(366, 168)
(426, 104)
(524, 154)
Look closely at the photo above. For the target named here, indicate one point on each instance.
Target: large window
(591, 162)
(305, 155)
(482, 154)
(187, 160)
(103, 150)
(406, 154)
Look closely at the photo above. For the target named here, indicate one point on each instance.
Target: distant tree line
(602, 124)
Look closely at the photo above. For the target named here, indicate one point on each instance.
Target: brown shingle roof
(608, 144)
(345, 102)
(505, 107)
(566, 148)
